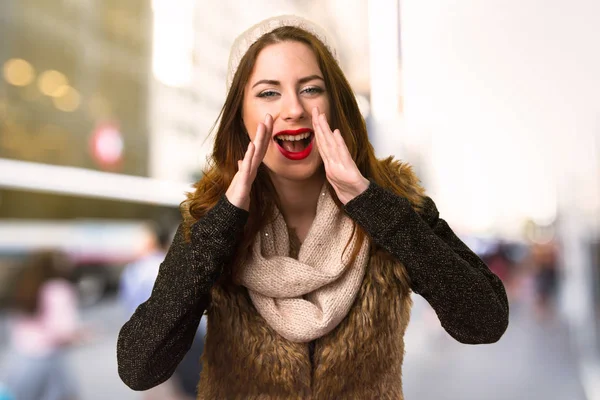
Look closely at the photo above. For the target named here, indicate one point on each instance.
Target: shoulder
(399, 177)
(205, 195)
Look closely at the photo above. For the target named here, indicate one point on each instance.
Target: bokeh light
(69, 101)
(18, 72)
(53, 83)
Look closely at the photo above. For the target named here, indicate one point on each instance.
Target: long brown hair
(231, 142)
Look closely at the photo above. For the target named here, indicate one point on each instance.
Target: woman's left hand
(340, 168)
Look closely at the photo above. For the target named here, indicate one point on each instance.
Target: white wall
(504, 98)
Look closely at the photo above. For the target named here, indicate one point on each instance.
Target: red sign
(107, 145)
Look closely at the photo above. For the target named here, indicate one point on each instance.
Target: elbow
(136, 377)
(493, 332)
(132, 380)
(486, 330)
(131, 373)
(490, 323)
(501, 327)
(133, 369)
(497, 321)
(135, 380)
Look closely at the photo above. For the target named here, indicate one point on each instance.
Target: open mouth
(294, 143)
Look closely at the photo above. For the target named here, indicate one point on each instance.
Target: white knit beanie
(250, 36)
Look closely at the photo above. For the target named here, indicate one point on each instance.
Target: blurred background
(105, 112)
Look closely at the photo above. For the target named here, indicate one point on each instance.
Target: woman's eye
(267, 93)
(313, 90)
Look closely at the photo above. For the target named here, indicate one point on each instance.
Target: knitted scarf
(306, 298)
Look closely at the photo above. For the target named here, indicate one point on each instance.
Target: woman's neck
(298, 199)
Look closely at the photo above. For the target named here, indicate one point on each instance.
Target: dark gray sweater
(468, 298)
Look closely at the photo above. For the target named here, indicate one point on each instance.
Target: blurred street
(532, 361)
(436, 366)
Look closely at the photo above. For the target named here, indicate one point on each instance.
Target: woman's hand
(238, 192)
(340, 168)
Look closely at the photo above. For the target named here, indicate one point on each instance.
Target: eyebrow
(276, 83)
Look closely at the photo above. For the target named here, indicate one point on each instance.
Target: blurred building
(505, 96)
(74, 93)
(74, 125)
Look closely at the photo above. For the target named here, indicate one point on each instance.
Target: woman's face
(287, 83)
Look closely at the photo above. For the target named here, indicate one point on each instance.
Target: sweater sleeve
(468, 298)
(161, 330)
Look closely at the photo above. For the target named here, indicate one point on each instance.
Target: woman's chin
(298, 172)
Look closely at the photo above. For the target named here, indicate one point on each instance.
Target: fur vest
(360, 359)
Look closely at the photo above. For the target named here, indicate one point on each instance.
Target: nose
(292, 108)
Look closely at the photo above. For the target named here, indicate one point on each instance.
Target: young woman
(300, 246)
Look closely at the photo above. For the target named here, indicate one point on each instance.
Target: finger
(342, 149)
(326, 130)
(258, 138)
(325, 133)
(268, 135)
(321, 143)
(269, 124)
(259, 146)
(339, 140)
(247, 162)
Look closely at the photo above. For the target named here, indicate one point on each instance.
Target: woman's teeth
(293, 138)
(294, 143)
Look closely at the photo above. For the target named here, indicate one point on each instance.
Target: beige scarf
(306, 298)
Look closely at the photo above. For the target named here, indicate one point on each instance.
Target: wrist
(355, 191)
(241, 203)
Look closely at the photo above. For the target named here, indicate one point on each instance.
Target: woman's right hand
(238, 192)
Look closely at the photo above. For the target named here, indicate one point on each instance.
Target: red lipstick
(293, 133)
(300, 155)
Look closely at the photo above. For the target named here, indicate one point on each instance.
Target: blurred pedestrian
(302, 247)
(138, 277)
(44, 324)
(498, 262)
(546, 269)
(543, 266)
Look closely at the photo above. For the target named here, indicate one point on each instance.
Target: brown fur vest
(361, 359)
